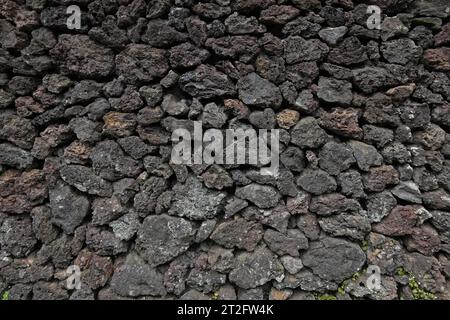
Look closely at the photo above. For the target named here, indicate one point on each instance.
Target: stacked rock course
(86, 179)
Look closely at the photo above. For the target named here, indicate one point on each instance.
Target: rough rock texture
(88, 179)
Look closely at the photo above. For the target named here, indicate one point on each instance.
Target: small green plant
(5, 295)
(327, 297)
(417, 292)
(356, 275)
(364, 245)
(343, 287)
(402, 272)
(215, 296)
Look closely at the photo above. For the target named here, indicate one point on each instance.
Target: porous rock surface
(86, 180)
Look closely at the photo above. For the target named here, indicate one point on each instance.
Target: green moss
(5, 295)
(343, 287)
(327, 297)
(418, 293)
(215, 296)
(356, 275)
(401, 272)
(364, 245)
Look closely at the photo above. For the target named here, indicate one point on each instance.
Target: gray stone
(351, 184)
(331, 203)
(333, 35)
(254, 269)
(110, 163)
(366, 155)
(213, 116)
(316, 181)
(194, 201)
(71, 51)
(334, 259)
(205, 280)
(308, 133)
(291, 264)
(401, 51)
(16, 236)
(126, 226)
(286, 243)
(305, 102)
(335, 157)
(259, 92)
(297, 49)
(206, 82)
(205, 230)
(14, 156)
(263, 119)
(85, 180)
(135, 278)
(262, 196)
(238, 233)
(307, 281)
(162, 238)
(380, 205)
(354, 226)
(68, 207)
(187, 55)
(335, 91)
(160, 34)
(407, 191)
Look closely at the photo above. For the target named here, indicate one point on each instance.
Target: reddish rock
(399, 222)
(424, 239)
(237, 108)
(27, 106)
(443, 37)
(379, 177)
(342, 122)
(95, 270)
(278, 14)
(438, 59)
(19, 193)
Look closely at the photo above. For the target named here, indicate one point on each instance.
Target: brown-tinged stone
(424, 239)
(379, 177)
(342, 122)
(438, 59)
(399, 222)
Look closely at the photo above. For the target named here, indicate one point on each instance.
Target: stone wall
(87, 184)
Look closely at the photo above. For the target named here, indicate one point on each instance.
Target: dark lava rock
(334, 259)
(15, 157)
(162, 238)
(135, 278)
(262, 196)
(206, 82)
(84, 179)
(342, 122)
(399, 222)
(238, 233)
(193, 201)
(308, 133)
(335, 91)
(257, 91)
(69, 208)
(316, 181)
(141, 63)
(16, 236)
(254, 269)
(83, 57)
(289, 243)
(336, 157)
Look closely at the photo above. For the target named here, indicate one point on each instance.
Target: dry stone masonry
(87, 181)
